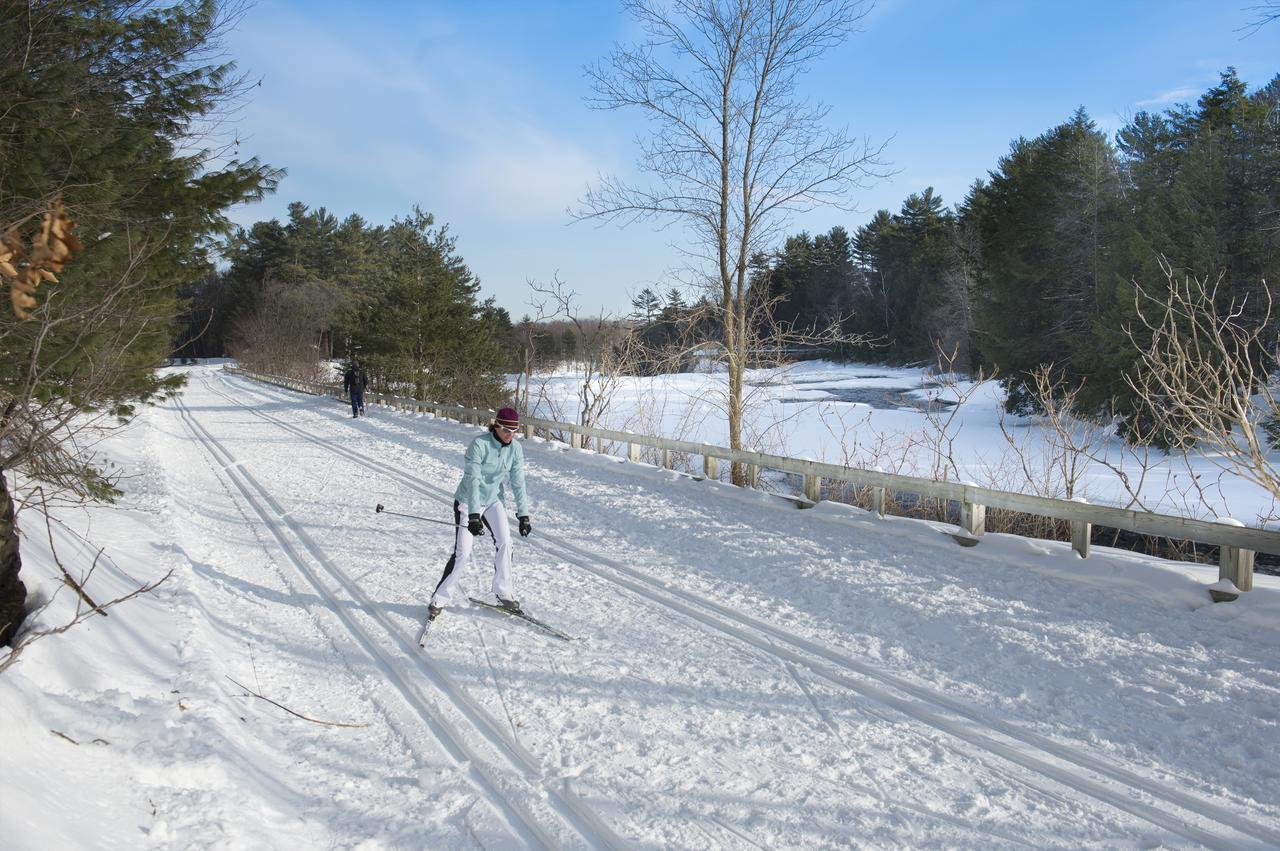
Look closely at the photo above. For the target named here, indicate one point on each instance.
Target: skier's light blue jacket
(487, 466)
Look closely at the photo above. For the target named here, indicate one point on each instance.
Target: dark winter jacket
(354, 379)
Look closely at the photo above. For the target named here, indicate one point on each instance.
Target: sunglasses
(507, 429)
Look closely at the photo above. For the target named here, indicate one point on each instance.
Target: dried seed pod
(22, 295)
(26, 268)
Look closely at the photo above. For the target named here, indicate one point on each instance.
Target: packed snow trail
(1147, 799)
(285, 530)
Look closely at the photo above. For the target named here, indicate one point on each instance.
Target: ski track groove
(823, 715)
(442, 728)
(580, 819)
(497, 683)
(1060, 763)
(360, 680)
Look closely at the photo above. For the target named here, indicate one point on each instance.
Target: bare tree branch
(253, 693)
(81, 614)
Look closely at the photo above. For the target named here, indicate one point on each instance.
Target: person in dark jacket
(354, 382)
(493, 459)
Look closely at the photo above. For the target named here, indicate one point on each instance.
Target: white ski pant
(494, 518)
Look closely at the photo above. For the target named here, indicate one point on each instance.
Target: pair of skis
(515, 613)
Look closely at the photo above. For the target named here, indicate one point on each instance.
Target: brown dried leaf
(50, 249)
(46, 228)
(22, 302)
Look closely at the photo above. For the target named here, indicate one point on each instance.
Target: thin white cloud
(422, 116)
(1171, 96)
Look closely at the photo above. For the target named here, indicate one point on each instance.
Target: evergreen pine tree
(646, 306)
(98, 101)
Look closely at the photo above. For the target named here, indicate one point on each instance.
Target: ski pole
(380, 510)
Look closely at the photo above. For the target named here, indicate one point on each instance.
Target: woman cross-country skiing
(492, 459)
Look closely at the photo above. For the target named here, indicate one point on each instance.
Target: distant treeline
(1041, 261)
(396, 297)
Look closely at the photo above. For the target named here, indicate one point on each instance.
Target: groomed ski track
(830, 750)
(334, 586)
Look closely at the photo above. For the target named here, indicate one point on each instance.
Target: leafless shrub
(1201, 377)
(281, 337)
(606, 354)
(694, 341)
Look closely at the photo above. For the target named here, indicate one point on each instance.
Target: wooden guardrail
(1237, 543)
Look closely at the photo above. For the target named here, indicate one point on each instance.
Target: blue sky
(474, 110)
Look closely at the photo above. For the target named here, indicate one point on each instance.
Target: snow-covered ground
(748, 675)
(877, 416)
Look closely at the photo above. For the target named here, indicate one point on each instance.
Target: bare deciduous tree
(734, 147)
(606, 350)
(283, 336)
(1199, 376)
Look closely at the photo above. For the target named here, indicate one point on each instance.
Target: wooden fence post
(575, 439)
(973, 518)
(1237, 565)
(813, 488)
(753, 475)
(666, 458)
(878, 501)
(709, 467)
(633, 452)
(1081, 531)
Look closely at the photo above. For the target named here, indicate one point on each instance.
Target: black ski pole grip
(378, 509)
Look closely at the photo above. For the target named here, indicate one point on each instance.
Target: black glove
(474, 526)
(525, 526)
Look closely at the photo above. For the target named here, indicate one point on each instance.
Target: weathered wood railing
(1237, 543)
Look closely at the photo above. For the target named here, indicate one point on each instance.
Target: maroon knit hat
(508, 417)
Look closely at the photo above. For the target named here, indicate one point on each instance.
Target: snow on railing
(1237, 543)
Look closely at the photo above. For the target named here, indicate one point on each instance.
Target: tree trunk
(737, 470)
(13, 594)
